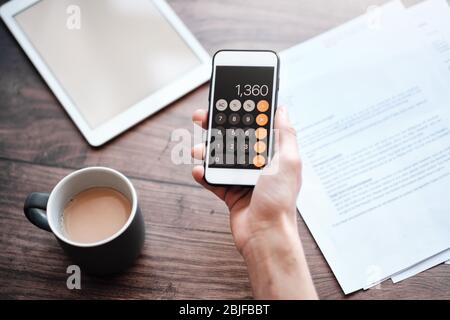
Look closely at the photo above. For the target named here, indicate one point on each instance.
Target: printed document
(369, 103)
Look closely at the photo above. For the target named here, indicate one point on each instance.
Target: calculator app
(241, 117)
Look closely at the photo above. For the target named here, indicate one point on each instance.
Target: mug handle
(35, 209)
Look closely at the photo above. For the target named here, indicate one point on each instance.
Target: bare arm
(277, 266)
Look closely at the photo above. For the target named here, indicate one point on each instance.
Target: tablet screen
(106, 55)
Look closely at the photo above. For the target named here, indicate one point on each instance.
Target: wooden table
(189, 251)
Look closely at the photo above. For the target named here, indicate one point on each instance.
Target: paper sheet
(422, 266)
(370, 111)
(432, 18)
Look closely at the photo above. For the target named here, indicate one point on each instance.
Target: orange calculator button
(262, 106)
(259, 161)
(261, 133)
(259, 147)
(262, 119)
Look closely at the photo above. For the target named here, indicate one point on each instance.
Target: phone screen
(241, 117)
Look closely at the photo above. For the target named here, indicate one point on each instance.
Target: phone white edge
(256, 58)
(135, 113)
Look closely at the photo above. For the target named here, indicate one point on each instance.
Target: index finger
(200, 117)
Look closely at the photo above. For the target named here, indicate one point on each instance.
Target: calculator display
(241, 117)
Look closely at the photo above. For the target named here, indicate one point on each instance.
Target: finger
(287, 136)
(200, 117)
(230, 195)
(198, 173)
(286, 159)
(198, 151)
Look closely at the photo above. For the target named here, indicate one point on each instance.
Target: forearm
(277, 265)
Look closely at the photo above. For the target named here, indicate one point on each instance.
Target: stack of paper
(371, 104)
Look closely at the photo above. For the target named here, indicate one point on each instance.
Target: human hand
(270, 206)
(263, 219)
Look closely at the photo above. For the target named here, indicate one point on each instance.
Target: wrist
(280, 240)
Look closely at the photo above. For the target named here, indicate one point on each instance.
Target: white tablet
(110, 63)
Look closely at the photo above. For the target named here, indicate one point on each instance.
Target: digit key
(220, 118)
(247, 119)
(234, 119)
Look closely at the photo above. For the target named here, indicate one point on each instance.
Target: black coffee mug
(108, 256)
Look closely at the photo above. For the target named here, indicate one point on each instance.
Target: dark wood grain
(189, 251)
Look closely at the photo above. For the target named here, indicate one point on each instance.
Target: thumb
(287, 136)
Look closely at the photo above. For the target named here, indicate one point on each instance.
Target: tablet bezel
(136, 112)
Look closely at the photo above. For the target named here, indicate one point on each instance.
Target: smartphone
(242, 104)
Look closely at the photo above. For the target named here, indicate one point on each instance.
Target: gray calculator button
(217, 159)
(220, 118)
(221, 104)
(218, 132)
(248, 132)
(234, 119)
(241, 158)
(249, 105)
(235, 105)
(247, 119)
